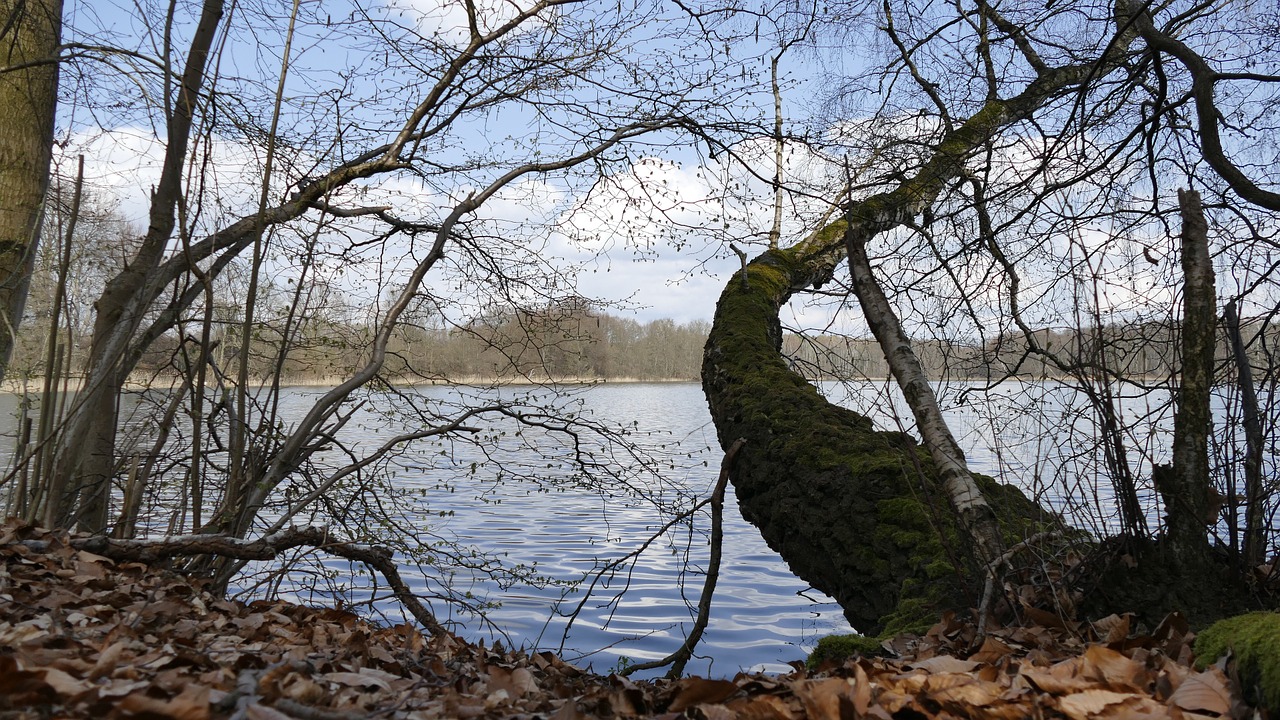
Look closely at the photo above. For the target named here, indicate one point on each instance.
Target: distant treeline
(577, 342)
(1141, 350)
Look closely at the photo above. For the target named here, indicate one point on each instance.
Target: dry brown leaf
(523, 681)
(355, 680)
(107, 660)
(1089, 703)
(993, 649)
(65, 685)
(861, 690)
(191, 704)
(958, 690)
(696, 691)
(821, 698)
(1043, 617)
(945, 664)
(1206, 691)
(716, 712)
(761, 707)
(569, 711)
(1059, 679)
(1114, 669)
(1113, 628)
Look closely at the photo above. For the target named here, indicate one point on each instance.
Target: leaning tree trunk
(852, 510)
(28, 101)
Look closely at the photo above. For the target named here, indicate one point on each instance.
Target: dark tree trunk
(1254, 496)
(1185, 488)
(86, 451)
(853, 511)
(29, 34)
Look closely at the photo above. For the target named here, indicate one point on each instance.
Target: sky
(629, 254)
(664, 258)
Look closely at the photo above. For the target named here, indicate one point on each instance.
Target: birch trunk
(972, 509)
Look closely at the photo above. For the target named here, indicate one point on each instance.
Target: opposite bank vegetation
(572, 342)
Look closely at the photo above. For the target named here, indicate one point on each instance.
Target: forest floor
(82, 636)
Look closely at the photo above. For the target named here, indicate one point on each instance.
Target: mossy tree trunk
(850, 509)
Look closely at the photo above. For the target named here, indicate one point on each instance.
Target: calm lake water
(763, 616)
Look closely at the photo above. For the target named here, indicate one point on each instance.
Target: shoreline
(34, 386)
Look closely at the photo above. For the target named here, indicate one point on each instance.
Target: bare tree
(1012, 195)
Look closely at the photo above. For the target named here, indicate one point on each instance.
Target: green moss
(914, 614)
(844, 504)
(838, 648)
(1254, 640)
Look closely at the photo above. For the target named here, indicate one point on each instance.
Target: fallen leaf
(821, 698)
(1204, 691)
(761, 707)
(1083, 705)
(65, 685)
(696, 691)
(945, 664)
(1114, 669)
(351, 679)
(191, 704)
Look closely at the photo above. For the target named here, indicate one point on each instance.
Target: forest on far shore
(572, 340)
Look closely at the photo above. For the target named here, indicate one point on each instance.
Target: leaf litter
(83, 636)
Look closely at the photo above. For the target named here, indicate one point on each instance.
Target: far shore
(35, 385)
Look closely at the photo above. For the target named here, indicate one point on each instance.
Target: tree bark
(849, 508)
(84, 469)
(1254, 497)
(29, 35)
(1186, 489)
(975, 514)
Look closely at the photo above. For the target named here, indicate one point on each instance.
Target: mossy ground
(838, 648)
(1254, 641)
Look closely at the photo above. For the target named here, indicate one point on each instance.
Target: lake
(538, 513)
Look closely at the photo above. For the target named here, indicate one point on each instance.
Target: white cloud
(447, 20)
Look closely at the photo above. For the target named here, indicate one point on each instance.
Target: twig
(680, 657)
(742, 258)
(993, 569)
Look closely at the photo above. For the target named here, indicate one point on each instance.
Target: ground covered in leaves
(83, 636)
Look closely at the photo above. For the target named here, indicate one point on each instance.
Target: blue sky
(665, 260)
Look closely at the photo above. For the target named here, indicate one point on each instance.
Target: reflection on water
(763, 615)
